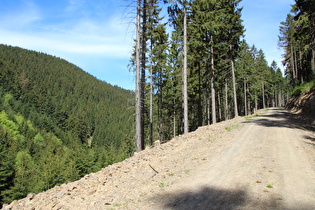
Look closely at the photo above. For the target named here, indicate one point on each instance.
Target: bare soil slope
(304, 104)
(266, 162)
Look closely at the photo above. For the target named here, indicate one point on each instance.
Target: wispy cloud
(102, 37)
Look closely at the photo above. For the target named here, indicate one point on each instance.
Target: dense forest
(57, 123)
(297, 38)
(193, 68)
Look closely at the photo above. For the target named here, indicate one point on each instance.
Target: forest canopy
(57, 122)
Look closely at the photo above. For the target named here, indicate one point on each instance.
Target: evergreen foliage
(297, 38)
(57, 123)
(225, 76)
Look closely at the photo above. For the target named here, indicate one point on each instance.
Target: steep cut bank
(265, 162)
(303, 104)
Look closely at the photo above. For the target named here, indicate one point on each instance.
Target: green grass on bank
(303, 88)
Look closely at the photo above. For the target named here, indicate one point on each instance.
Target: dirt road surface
(269, 164)
(266, 162)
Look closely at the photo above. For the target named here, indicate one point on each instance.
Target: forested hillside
(57, 123)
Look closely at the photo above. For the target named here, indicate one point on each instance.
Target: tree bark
(226, 102)
(139, 124)
(213, 105)
(219, 106)
(234, 89)
(263, 94)
(245, 98)
(185, 94)
(151, 106)
(256, 104)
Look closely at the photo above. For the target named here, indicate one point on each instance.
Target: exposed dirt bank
(304, 105)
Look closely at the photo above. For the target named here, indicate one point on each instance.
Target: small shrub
(269, 186)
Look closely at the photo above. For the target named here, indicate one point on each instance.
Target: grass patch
(162, 184)
(231, 128)
(256, 115)
(303, 88)
(269, 186)
(187, 171)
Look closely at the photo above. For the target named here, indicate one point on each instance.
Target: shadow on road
(205, 198)
(279, 117)
(212, 198)
(311, 140)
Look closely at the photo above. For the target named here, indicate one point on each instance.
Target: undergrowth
(303, 88)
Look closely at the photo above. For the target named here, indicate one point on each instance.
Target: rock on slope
(130, 183)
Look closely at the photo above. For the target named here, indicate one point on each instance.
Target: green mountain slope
(57, 122)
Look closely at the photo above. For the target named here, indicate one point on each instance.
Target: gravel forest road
(266, 162)
(269, 164)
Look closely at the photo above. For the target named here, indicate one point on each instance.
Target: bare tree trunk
(274, 99)
(234, 86)
(226, 102)
(245, 98)
(249, 111)
(185, 94)
(256, 104)
(200, 119)
(160, 106)
(208, 105)
(174, 119)
(280, 98)
(151, 106)
(143, 60)
(293, 63)
(263, 95)
(295, 68)
(139, 124)
(213, 105)
(219, 103)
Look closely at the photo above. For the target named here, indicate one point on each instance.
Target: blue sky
(98, 35)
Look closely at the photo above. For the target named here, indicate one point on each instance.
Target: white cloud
(85, 36)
